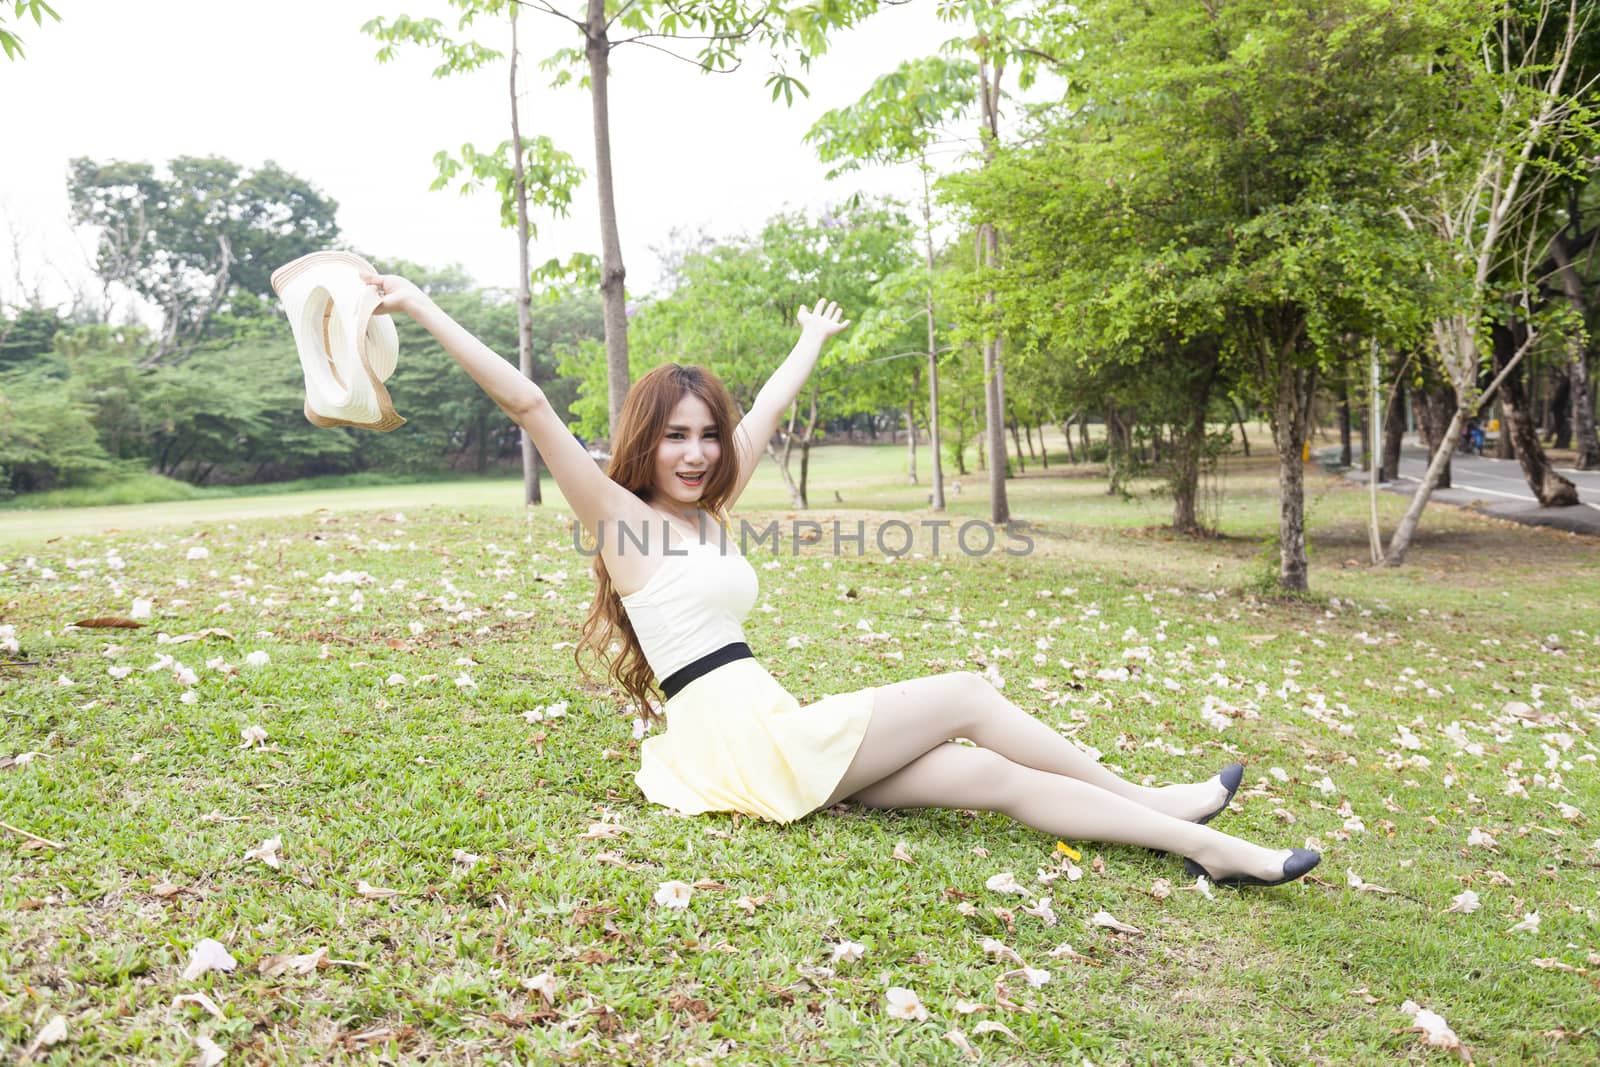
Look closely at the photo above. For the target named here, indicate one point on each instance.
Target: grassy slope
(367, 780)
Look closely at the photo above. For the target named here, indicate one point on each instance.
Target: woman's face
(688, 451)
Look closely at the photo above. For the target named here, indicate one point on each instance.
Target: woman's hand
(822, 321)
(395, 293)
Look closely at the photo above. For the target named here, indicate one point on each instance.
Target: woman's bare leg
(958, 776)
(911, 718)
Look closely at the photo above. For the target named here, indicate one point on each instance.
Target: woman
(672, 594)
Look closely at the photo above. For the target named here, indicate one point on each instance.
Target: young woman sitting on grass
(672, 594)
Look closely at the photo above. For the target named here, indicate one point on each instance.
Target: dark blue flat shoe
(1231, 776)
(1298, 865)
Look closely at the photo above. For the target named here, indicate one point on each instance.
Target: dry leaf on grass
(211, 1053)
(749, 904)
(267, 852)
(108, 622)
(208, 955)
(252, 736)
(847, 952)
(902, 853)
(989, 1026)
(1000, 951)
(673, 895)
(1433, 1030)
(1529, 924)
(51, 1033)
(1464, 903)
(1042, 910)
(1066, 951)
(199, 999)
(1111, 922)
(304, 963)
(372, 892)
(959, 1040)
(905, 1004)
(1005, 882)
(1353, 880)
(544, 984)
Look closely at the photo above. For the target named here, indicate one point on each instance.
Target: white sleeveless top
(694, 603)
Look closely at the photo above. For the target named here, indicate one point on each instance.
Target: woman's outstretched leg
(957, 776)
(914, 717)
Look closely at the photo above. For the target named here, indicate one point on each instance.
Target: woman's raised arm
(761, 421)
(591, 495)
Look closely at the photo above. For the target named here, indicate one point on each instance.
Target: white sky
(295, 81)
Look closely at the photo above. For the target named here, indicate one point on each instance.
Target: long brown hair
(633, 454)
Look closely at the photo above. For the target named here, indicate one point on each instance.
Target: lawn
(381, 681)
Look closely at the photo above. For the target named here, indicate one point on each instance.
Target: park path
(1496, 487)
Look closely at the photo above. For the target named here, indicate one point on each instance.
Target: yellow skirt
(737, 741)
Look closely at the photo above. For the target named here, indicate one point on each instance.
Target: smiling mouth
(692, 480)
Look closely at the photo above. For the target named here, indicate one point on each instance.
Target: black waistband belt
(674, 682)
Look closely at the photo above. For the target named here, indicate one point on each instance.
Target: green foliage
(549, 175)
(899, 117)
(204, 238)
(27, 334)
(10, 43)
(734, 306)
(46, 436)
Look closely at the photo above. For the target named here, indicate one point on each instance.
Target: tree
(898, 120)
(10, 43)
(715, 31)
(1257, 150)
(1517, 99)
(203, 239)
(521, 169)
(735, 305)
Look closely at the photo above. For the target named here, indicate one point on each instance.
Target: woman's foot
(1200, 802)
(1265, 868)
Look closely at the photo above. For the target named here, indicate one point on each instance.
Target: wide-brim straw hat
(346, 351)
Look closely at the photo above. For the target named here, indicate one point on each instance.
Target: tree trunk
(933, 349)
(993, 365)
(1582, 399)
(1346, 456)
(1083, 437)
(1503, 447)
(597, 48)
(1238, 417)
(1457, 338)
(1584, 436)
(1044, 449)
(1187, 449)
(1066, 435)
(1434, 408)
(805, 449)
(1552, 489)
(911, 426)
(1113, 449)
(1558, 415)
(1394, 431)
(1291, 414)
(1016, 441)
(782, 460)
(530, 455)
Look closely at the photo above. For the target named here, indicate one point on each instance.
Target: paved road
(1496, 487)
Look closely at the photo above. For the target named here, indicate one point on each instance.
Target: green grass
(364, 780)
(143, 487)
